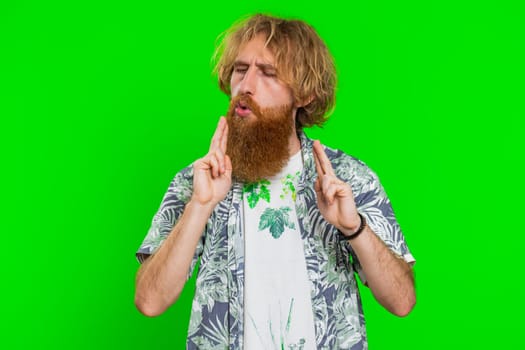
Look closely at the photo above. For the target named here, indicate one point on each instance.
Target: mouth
(242, 109)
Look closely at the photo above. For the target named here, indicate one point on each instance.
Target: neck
(294, 144)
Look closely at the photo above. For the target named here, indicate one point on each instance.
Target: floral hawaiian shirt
(217, 311)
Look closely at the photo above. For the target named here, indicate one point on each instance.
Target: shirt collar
(309, 172)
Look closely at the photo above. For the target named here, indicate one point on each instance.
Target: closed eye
(240, 67)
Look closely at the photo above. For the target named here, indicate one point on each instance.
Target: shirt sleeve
(373, 203)
(171, 208)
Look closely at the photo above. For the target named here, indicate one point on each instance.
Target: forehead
(255, 51)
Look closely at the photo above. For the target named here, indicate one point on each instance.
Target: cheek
(284, 97)
(280, 93)
(234, 84)
(233, 89)
(282, 90)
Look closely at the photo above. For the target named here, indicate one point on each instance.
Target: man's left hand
(334, 197)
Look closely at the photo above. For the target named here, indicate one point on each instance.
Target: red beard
(258, 147)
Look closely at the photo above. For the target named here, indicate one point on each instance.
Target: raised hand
(212, 174)
(334, 197)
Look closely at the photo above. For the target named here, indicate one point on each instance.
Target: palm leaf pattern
(276, 220)
(217, 311)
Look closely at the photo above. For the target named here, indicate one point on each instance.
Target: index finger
(320, 171)
(322, 163)
(218, 136)
(224, 140)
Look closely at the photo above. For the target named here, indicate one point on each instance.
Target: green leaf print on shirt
(256, 191)
(289, 184)
(283, 340)
(276, 220)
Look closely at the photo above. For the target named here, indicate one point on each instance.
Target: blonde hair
(302, 61)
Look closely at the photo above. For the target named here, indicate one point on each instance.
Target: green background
(103, 102)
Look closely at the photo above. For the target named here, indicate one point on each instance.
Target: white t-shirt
(277, 302)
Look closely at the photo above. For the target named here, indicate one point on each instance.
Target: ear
(305, 102)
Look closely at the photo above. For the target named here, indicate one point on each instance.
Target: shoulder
(365, 183)
(181, 186)
(183, 176)
(348, 167)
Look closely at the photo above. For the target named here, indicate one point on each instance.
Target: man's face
(255, 75)
(260, 117)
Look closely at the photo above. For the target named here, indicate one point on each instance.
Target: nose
(249, 82)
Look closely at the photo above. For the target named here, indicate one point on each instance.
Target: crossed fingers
(322, 163)
(217, 159)
(327, 184)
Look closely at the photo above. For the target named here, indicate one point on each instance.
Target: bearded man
(281, 224)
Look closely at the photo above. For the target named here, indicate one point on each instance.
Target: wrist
(201, 207)
(351, 234)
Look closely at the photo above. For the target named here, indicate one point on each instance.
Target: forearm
(162, 276)
(389, 277)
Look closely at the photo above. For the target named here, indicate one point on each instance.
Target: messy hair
(302, 62)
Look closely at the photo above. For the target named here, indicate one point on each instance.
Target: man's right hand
(162, 276)
(212, 175)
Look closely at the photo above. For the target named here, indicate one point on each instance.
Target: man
(280, 224)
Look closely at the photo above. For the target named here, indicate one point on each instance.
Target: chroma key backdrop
(102, 102)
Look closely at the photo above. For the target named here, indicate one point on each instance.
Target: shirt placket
(235, 232)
